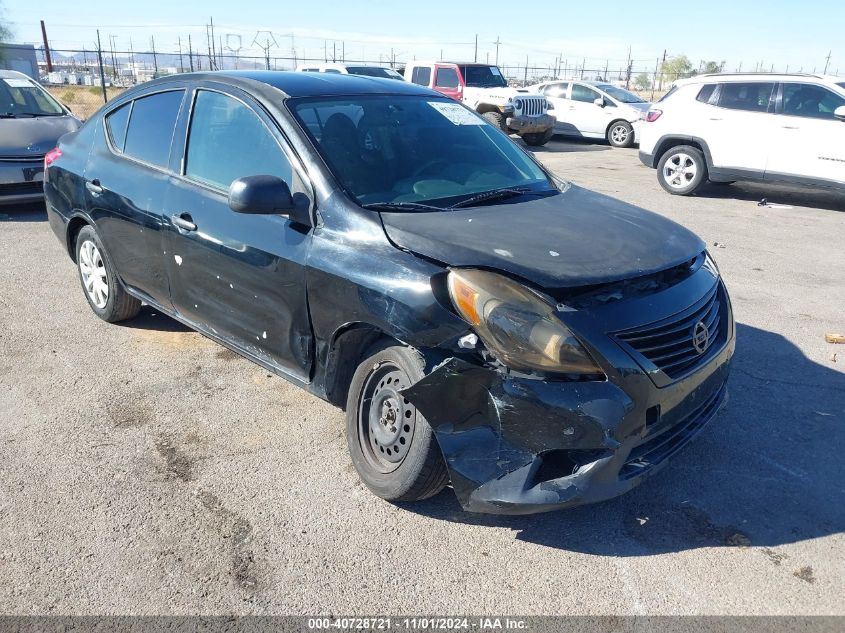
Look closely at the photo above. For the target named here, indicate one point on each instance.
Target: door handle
(184, 222)
(790, 127)
(94, 186)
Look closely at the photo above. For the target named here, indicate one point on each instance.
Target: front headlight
(517, 325)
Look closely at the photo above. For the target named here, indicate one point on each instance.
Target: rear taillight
(50, 156)
(653, 115)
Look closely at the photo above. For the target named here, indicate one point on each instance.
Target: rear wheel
(682, 170)
(620, 134)
(497, 119)
(535, 139)
(105, 294)
(391, 444)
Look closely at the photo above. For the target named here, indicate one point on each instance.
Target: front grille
(20, 188)
(660, 447)
(29, 158)
(669, 344)
(531, 106)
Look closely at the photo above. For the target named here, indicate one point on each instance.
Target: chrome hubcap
(619, 134)
(93, 271)
(679, 170)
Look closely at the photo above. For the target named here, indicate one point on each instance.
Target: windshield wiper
(496, 194)
(401, 206)
(32, 115)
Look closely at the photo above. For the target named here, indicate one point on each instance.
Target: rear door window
(227, 141)
(150, 130)
(557, 90)
(116, 124)
(421, 75)
(752, 96)
(706, 93)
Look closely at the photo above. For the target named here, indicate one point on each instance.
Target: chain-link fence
(85, 79)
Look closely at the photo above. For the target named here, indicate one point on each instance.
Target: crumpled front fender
(493, 430)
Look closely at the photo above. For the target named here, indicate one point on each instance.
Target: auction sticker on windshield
(456, 113)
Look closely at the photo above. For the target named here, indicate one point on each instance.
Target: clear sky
(781, 33)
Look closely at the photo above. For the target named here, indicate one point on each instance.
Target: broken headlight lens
(518, 326)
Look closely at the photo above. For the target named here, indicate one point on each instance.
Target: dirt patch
(177, 464)
(685, 526)
(775, 557)
(237, 532)
(130, 415)
(805, 574)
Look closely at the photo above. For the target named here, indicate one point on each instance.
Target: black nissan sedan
(482, 322)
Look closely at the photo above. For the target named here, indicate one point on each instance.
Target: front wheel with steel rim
(620, 134)
(392, 446)
(105, 294)
(682, 170)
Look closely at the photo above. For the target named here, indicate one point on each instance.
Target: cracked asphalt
(146, 470)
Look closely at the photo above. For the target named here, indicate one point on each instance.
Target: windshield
(412, 149)
(483, 76)
(373, 71)
(620, 94)
(24, 97)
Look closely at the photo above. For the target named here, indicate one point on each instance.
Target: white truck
(483, 88)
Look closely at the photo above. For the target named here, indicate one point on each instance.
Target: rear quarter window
(116, 124)
(151, 126)
(706, 93)
(421, 75)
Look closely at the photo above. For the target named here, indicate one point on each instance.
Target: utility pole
(102, 71)
(181, 63)
(654, 80)
(662, 67)
(155, 61)
(113, 60)
(827, 62)
(46, 48)
(208, 42)
(190, 53)
(213, 44)
(475, 56)
(497, 42)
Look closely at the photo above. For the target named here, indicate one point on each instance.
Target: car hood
(35, 136)
(573, 239)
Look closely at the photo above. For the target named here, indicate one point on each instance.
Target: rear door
(740, 124)
(125, 182)
(236, 276)
(447, 81)
(809, 140)
(557, 94)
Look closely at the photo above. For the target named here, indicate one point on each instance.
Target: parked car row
(766, 127)
(481, 321)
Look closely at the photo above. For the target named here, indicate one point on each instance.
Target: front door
(126, 180)
(587, 117)
(447, 81)
(809, 140)
(236, 276)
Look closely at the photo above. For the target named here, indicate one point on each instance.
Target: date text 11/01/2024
(417, 624)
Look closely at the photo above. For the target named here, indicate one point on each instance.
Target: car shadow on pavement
(766, 472)
(775, 194)
(35, 212)
(560, 144)
(151, 319)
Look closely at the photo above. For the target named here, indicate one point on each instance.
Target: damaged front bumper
(517, 445)
(529, 124)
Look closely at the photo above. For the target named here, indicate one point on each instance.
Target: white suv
(722, 128)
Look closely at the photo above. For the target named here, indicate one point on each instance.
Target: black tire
(498, 120)
(620, 134)
(536, 139)
(693, 170)
(118, 304)
(398, 463)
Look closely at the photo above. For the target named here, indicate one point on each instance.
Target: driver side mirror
(839, 113)
(268, 195)
(599, 101)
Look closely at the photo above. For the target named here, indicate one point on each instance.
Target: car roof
(299, 84)
(12, 74)
(734, 77)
